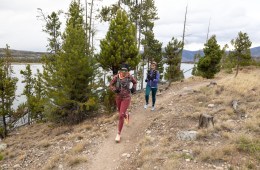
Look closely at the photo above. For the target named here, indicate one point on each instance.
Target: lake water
(20, 86)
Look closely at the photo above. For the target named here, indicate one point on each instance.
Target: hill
(20, 55)
(187, 55)
(255, 52)
(154, 140)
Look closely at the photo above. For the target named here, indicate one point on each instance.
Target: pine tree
(153, 51)
(28, 89)
(34, 92)
(119, 45)
(52, 28)
(209, 65)
(7, 90)
(173, 53)
(148, 15)
(70, 94)
(39, 97)
(242, 52)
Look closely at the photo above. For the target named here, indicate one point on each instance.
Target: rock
(16, 166)
(124, 154)
(60, 166)
(187, 160)
(211, 105)
(187, 135)
(3, 146)
(148, 132)
(212, 83)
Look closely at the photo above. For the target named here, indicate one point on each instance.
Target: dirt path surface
(110, 154)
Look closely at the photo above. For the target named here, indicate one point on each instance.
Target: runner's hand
(133, 90)
(117, 91)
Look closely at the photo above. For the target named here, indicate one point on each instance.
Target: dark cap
(124, 67)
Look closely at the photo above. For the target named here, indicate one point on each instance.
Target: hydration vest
(123, 83)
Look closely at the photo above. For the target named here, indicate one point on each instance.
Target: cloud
(21, 29)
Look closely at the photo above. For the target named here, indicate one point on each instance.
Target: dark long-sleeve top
(123, 85)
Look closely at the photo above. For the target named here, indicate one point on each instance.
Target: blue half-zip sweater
(156, 77)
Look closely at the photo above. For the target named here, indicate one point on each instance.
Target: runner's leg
(147, 93)
(123, 108)
(154, 90)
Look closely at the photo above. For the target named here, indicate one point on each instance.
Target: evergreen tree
(148, 15)
(28, 90)
(69, 93)
(153, 51)
(34, 92)
(7, 90)
(195, 69)
(209, 65)
(119, 45)
(39, 97)
(242, 52)
(173, 52)
(52, 28)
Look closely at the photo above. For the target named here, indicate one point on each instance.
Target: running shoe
(117, 138)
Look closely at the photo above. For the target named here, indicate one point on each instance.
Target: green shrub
(251, 146)
(1, 156)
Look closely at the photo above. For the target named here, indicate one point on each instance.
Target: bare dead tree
(90, 21)
(184, 26)
(208, 31)
(86, 26)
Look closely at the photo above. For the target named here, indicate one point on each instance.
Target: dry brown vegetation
(233, 142)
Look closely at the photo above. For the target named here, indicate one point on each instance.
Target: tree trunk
(86, 38)
(237, 70)
(5, 127)
(90, 23)
(204, 120)
(238, 59)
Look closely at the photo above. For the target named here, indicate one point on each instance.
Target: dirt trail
(110, 153)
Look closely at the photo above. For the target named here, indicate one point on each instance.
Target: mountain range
(187, 55)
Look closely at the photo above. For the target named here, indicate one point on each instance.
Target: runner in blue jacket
(152, 79)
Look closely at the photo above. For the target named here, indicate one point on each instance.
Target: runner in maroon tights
(120, 84)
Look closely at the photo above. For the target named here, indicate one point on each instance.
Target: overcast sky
(21, 30)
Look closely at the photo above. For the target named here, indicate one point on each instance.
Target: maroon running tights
(122, 105)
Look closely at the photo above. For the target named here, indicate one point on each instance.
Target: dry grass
(243, 83)
(205, 133)
(62, 130)
(248, 144)
(44, 143)
(171, 164)
(76, 136)
(147, 140)
(165, 141)
(78, 148)
(74, 160)
(52, 163)
(253, 125)
(146, 156)
(218, 154)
